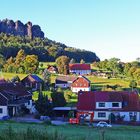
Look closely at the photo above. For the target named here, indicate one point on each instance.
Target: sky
(110, 28)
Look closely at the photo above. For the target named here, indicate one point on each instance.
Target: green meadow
(69, 132)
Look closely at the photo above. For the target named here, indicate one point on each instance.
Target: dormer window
(115, 104)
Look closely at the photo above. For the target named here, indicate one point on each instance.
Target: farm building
(64, 81)
(80, 69)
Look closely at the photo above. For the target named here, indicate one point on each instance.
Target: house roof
(87, 100)
(52, 68)
(32, 78)
(105, 96)
(2, 80)
(81, 77)
(10, 89)
(64, 79)
(79, 67)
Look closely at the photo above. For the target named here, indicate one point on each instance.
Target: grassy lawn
(97, 82)
(11, 75)
(45, 64)
(35, 94)
(76, 132)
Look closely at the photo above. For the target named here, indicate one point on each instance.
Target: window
(115, 104)
(1, 110)
(101, 104)
(101, 114)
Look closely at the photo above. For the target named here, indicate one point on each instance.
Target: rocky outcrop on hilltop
(19, 29)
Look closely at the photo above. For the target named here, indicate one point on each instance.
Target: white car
(103, 124)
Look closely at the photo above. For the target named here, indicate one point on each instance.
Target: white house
(64, 81)
(81, 83)
(117, 105)
(80, 69)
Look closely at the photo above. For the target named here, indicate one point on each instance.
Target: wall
(5, 111)
(108, 105)
(76, 90)
(62, 85)
(101, 118)
(81, 72)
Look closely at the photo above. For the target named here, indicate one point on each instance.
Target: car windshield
(103, 123)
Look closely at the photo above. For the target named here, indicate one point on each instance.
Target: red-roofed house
(52, 69)
(80, 69)
(120, 104)
(81, 83)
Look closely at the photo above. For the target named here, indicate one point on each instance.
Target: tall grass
(30, 134)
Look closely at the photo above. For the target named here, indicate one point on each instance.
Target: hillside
(16, 35)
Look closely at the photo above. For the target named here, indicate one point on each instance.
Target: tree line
(45, 49)
(120, 69)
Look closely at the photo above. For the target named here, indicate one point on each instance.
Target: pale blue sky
(110, 28)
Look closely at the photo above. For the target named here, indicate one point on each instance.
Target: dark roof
(79, 67)
(64, 79)
(86, 101)
(9, 89)
(2, 80)
(32, 78)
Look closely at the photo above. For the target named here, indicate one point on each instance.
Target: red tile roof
(79, 67)
(87, 100)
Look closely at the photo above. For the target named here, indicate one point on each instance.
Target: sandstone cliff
(18, 28)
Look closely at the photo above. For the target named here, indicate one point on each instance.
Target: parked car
(103, 124)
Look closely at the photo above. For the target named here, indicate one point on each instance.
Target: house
(80, 69)
(81, 83)
(32, 81)
(120, 105)
(13, 98)
(52, 69)
(64, 81)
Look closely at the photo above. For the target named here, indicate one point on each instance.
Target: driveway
(27, 118)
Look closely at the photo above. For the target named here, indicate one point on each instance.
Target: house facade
(32, 81)
(64, 81)
(110, 106)
(80, 69)
(14, 98)
(81, 83)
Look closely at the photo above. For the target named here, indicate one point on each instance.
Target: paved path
(27, 118)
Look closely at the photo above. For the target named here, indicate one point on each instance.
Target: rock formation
(19, 29)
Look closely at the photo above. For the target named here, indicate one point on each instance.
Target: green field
(9, 76)
(100, 82)
(77, 132)
(45, 64)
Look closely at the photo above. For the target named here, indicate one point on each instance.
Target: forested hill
(11, 41)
